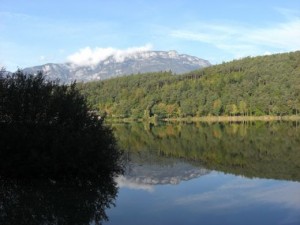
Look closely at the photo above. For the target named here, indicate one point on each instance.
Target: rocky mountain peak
(120, 65)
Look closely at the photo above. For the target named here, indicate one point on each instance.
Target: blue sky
(35, 32)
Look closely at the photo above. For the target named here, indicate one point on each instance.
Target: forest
(252, 86)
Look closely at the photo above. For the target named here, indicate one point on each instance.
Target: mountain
(138, 62)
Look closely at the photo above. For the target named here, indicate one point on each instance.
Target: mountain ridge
(120, 65)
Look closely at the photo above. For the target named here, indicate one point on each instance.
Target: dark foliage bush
(47, 130)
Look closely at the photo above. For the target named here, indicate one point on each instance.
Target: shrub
(47, 130)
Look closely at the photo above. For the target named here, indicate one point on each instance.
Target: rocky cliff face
(112, 66)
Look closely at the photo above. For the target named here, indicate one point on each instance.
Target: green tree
(217, 106)
(242, 107)
(47, 130)
(160, 109)
(232, 109)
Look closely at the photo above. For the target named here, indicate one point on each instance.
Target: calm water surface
(209, 174)
(216, 198)
(176, 174)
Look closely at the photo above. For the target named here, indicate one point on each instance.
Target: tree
(188, 107)
(171, 109)
(160, 109)
(242, 107)
(217, 106)
(47, 130)
(231, 109)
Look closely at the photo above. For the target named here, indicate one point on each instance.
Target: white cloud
(284, 35)
(242, 40)
(89, 56)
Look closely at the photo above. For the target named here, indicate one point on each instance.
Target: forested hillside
(264, 85)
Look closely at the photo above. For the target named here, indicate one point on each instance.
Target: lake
(239, 173)
(180, 173)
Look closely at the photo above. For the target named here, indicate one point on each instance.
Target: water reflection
(215, 198)
(38, 202)
(142, 174)
(239, 191)
(166, 181)
(270, 201)
(266, 150)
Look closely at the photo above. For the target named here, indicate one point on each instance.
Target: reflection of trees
(270, 150)
(55, 202)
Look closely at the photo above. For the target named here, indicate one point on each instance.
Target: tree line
(252, 86)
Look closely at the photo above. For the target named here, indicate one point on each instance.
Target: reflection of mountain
(149, 171)
(266, 150)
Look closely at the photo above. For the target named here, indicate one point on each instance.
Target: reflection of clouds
(239, 184)
(288, 195)
(131, 184)
(240, 193)
(211, 200)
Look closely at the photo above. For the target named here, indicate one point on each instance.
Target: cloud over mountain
(102, 63)
(89, 57)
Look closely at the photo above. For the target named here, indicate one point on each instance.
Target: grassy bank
(234, 118)
(208, 119)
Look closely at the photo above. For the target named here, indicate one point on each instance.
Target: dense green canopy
(264, 85)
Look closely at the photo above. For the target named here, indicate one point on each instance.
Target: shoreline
(234, 118)
(211, 119)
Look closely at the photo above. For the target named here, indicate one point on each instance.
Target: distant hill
(139, 62)
(253, 86)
